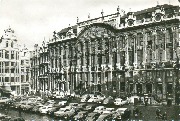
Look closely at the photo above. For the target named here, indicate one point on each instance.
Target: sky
(35, 20)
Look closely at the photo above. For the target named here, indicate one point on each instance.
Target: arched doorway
(149, 88)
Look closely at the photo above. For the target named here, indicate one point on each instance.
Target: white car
(4, 99)
(63, 111)
(133, 98)
(96, 98)
(119, 101)
(99, 109)
(86, 97)
(45, 109)
(107, 112)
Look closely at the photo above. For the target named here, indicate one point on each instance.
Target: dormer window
(158, 9)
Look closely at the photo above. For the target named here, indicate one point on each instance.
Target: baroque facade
(121, 54)
(10, 62)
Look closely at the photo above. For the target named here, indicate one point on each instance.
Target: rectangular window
(7, 54)
(6, 79)
(6, 63)
(12, 79)
(169, 88)
(6, 70)
(131, 88)
(12, 54)
(159, 88)
(7, 44)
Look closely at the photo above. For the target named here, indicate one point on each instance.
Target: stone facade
(119, 54)
(10, 62)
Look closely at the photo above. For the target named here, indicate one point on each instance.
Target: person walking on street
(164, 117)
(19, 109)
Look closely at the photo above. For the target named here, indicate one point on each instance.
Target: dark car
(90, 107)
(92, 116)
(80, 116)
(29, 107)
(108, 101)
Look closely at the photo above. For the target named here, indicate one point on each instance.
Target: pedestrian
(164, 117)
(19, 109)
(158, 114)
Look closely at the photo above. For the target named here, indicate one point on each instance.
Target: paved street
(148, 113)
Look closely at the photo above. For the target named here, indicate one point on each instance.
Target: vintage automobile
(37, 107)
(90, 107)
(99, 109)
(107, 113)
(80, 116)
(62, 112)
(121, 114)
(4, 100)
(92, 116)
(108, 101)
(96, 98)
(119, 101)
(45, 109)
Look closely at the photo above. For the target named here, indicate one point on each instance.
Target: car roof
(122, 109)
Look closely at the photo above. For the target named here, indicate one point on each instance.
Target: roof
(165, 6)
(67, 29)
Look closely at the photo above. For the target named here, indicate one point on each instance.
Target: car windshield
(118, 99)
(3, 98)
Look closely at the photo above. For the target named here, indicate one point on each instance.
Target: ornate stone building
(120, 54)
(25, 70)
(10, 63)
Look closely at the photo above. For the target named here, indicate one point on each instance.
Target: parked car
(96, 98)
(52, 110)
(119, 101)
(37, 107)
(4, 99)
(107, 113)
(80, 116)
(90, 107)
(121, 114)
(133, 99)
(86, 97)
(28, 107)
(92, 116)
(45, 109)
(99, 109)
(108, 101)
(63, 111)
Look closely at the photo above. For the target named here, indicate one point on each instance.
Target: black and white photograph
(89, 60)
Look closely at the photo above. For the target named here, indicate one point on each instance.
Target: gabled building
(14, 64)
